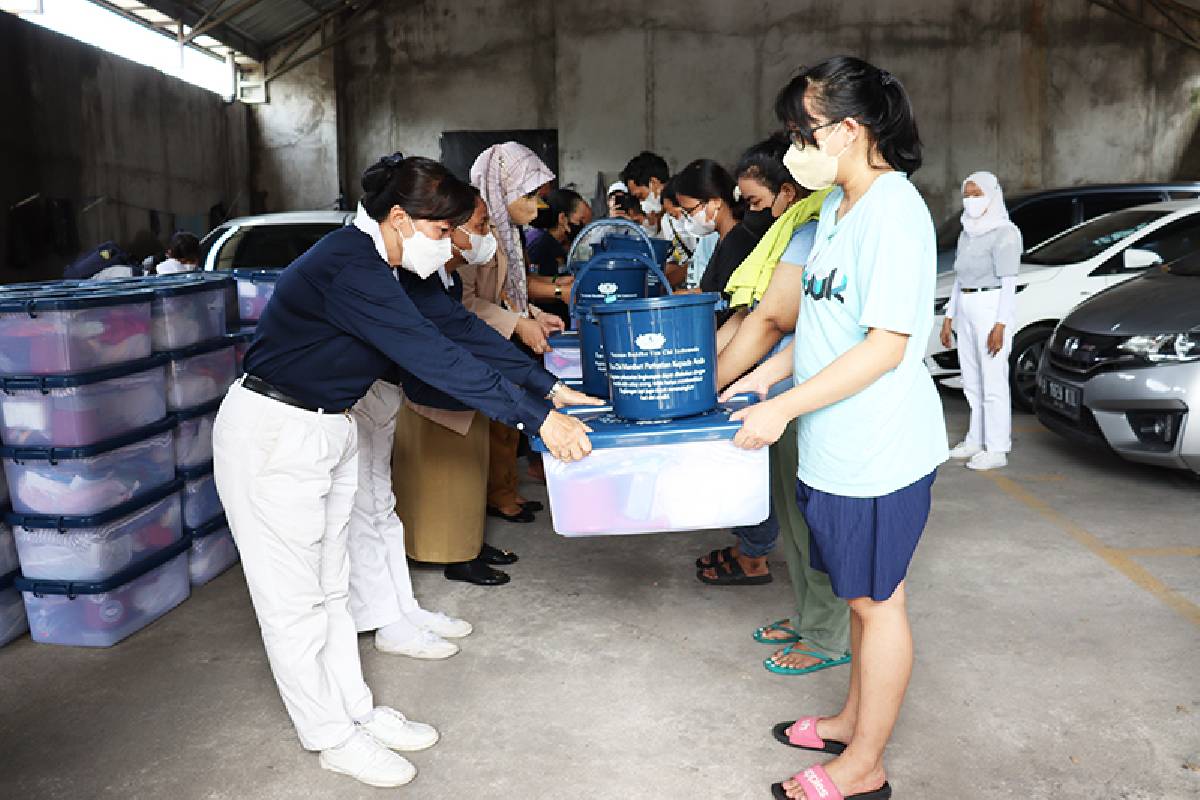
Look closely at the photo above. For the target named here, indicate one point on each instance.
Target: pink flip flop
(803, 734)
(817, 785)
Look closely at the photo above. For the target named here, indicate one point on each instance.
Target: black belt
(259, 386)
(984, 289)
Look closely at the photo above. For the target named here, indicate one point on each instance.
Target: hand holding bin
(658, 475)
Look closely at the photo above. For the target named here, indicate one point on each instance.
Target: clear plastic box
(200, 373)
(93, 548)
(201, 503)
(82, 409)
(8, 550)
(187, 310)
(213, 551)
(255, 287)
(13, 622)
(193, 435)
(657, 476)
(103, 613)
(3, 489)
(67, 331)
(89, 480)
(564, 360)
(241, 343)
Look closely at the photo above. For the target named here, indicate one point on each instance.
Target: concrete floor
(1052, 662)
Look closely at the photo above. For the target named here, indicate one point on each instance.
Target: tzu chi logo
(650, 341)
(609, 290)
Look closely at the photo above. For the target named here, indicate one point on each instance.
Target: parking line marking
(1116, 558)
(1153, 552)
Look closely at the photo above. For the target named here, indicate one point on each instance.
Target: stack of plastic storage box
(96, 379)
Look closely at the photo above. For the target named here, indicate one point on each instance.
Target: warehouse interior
(1055, 604)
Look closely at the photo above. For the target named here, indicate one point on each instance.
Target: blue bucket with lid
(660, 355)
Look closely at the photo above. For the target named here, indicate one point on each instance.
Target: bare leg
(883, 656)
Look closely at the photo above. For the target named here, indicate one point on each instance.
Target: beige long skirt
(440, 481)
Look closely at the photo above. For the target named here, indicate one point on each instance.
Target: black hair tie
(394, 161)
(886, 78)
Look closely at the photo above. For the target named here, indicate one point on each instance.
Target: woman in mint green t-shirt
(871, 430)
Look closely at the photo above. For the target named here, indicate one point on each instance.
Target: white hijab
(996, 215)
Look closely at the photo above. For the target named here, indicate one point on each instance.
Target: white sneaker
(445, 626)
(985, 461)
(392, 729)
(965, 450)
(367, 760)
(424, 645)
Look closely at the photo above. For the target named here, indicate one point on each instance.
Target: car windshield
(1092, 238)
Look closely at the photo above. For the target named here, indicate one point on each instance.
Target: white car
(267, 241)
(1062, 272)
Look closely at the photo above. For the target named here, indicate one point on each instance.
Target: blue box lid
(187, 283)
(34, 301)
(208, 528)
(56, 454)
(564, 340)
(196, 472)
(241, 337)
(184, 414)
(609, 430)
(44, 383)
(200, 348)
(263, 275)
(134, 571)
(64, 523)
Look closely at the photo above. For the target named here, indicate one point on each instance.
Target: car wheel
(1028, 346)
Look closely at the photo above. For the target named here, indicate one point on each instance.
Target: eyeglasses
(804, 138)
(692, 210)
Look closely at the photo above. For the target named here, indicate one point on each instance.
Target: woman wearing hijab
(981, 311)
(509, 176)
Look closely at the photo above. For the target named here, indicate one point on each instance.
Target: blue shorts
(865, 544)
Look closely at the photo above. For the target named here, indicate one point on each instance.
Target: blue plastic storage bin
(564, 359)
(200, 373)
(660, 249)
(188, 309)
(193, 434)
(660, 355)
(44, 332)
(84, 408)
(93, 478)
(241, 343)
(255, 287)
(98, 546)
(102, 613)
(201, 503)
(658, 475)
(213, 551)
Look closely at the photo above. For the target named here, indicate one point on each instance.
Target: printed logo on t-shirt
(828, 287)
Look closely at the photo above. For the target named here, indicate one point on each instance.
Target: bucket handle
(648, 260)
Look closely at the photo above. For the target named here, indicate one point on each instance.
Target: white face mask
(652, 204)
(698, 224)
(975, 206)
(483, 247)
(812, 167)
(423, 255)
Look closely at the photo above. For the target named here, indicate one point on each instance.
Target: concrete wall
(294, 138)
(82, 124)
(1043, 93)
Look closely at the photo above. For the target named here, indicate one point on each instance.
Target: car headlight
(1165, 348)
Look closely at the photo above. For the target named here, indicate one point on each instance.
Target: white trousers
(381, 590)
(984, 376)
(287, 479)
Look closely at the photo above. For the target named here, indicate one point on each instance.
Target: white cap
(619, 186)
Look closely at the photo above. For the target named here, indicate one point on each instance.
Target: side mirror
(1135, 260)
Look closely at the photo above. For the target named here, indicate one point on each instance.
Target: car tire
(1027, 349)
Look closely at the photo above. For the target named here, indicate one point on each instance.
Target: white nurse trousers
(287, 479)
(381, 590)
(984, 376)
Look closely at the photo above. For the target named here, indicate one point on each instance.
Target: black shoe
(524, 516)
(476, 572)
(497, 557)
(533, 506)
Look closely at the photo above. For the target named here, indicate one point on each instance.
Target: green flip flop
(760, 634)
(825, 662)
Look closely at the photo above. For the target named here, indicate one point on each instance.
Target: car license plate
(1061, 397)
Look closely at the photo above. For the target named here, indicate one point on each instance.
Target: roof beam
(191, 16)
(353, 25)
(206, 26)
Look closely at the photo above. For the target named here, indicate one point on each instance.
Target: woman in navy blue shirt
(286, 450)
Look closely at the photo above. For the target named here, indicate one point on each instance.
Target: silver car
(267, 241)
(1122, 370)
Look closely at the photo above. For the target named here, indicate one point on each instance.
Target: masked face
(423, 255)
(652, 204)
(698, 223)
(483, 247)
(975, 206)
(812, 167)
